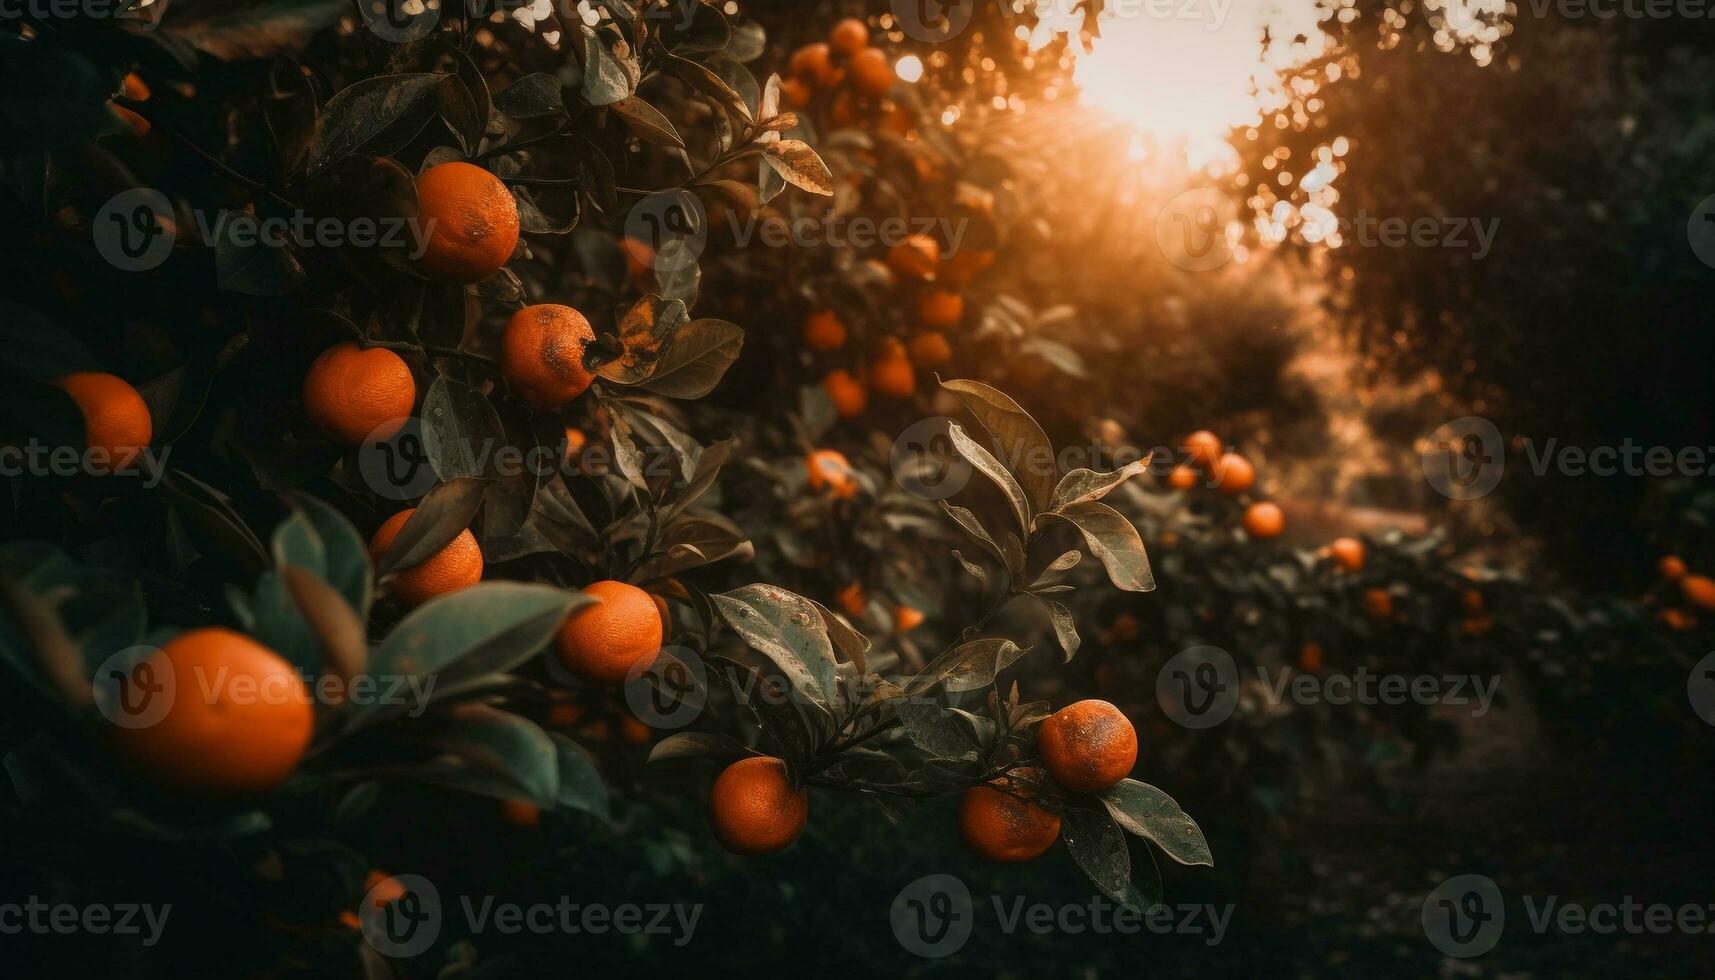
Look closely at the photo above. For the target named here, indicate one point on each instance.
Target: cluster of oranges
(1085, 748)
(1210, 463)
(891, 371)
(844, 67)
(1695, 592)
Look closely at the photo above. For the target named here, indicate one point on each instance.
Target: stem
(431, 350)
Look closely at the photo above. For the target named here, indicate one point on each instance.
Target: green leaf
(990, 467)
(234, 31)
(1099, 849)
(1148, 812)
(693, 745)
(799, 166)
(536, 94)
(933, 728)
(1065, 627)
(492, 753)
(581, 786)
(1083, 485)
(606, 80)
(50, 96)
(461, 431)
(966, 667)
(1022, 443)
(376, 116)
(345, 556)
(787, 629)
(647, 122)
(711, 85)
(209, 512)
(697, 360)
(1115, 541)
(444, 514)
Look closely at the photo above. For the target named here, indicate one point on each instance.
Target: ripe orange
(843, 113)
(1204, 447)
(829, 472)
(852, 600)
(891, 374)
(915, 258)
(1699, 590)
(1378, 604)
(846, 392)
(1477, 625)
(1182, 477)
(870, 72)
(1310, 658)
(116, 423)
(350, 392)
(239, 719)
(469, 219)
(575, 443)
(542, 354)
(823, 331)
(966, 264)
(931, 349)
(1264, 520)
(136, 90)
(753, 809)
(604, 642)
(1126, 628)
(814, 63)
(1672, 568)
(1677, 619)
(520, 813)
(1001, 827)
(940, 309)
(639, 262)
(906, 619)
(1088, 746)
(849, 36)
(1348, 553)
(454, 567)
(1472, 601)
(1234, 474)
(795, 93)
(382, 888)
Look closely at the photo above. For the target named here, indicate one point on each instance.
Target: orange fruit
(931, 349)
(350, 393)
(116, 423)
(1087, 746)
(849, 36)
(918, 257)
(795, 93)
(891, 374)
(814, 63)
(382, 888)
(635, 731)
(1264, 520)
(906, 619)
(966, 264)
(1378, 604)
(238, 721)
(847, 393)
(1699, 590)
(823, 331)
(639, 262)
(852, 600)
(1672, 568)
(456, 566)
(1310, 658)
(575, 443)
(1126, 628)
(1472, 601)
(843, 114)
(469, 218)
(753, 809)
(1001, 827)
(871, 73)
(1182, 477)
(520, 813)
(1204, 447)
(1348, 553)
(542, 354)
(604, 642)
(829, 472)
(1677, 619)
(940, 309)
(1477, 625)
(1234, 474)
